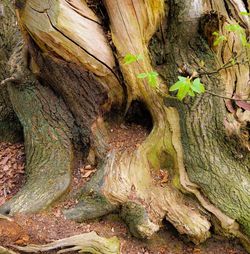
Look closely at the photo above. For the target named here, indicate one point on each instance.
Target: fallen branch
(3, 217)
(7, 80)
(6, 251)
(84, 243)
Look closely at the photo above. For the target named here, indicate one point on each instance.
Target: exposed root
(90, 207)
(136, 217)
(48, 143)
(125, 179)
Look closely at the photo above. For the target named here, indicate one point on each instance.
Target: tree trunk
(200, 146)
(10, 128)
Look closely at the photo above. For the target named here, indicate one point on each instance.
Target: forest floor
(51, 225)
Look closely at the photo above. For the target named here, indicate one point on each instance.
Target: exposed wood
(72, 33)
(84, 243)
(6, 251)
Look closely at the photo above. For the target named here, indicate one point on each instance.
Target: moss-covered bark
(47, 127)
(214, 160)
(10, 128)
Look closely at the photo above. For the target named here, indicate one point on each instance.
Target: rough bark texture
(10, 129)
(126, 178)
(203, 121)
(47, 127)
(200, 143)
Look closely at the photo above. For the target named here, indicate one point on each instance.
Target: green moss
(176, 182)
(136, 218)
(154, 160)
(90, 206)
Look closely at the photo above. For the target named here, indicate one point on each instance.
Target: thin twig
(226, 65)
(223, 67)
(225, 97)
(7, 80)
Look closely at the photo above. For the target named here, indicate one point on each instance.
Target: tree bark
(200, 143)
(10, 128)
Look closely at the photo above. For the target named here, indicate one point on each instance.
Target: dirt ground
(51, 225)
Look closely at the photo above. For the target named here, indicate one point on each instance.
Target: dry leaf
(88, 173)
(5, 160)
(88, 167)
(164, 177)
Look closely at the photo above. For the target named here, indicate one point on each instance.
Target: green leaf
(240, 31)
(142, 75)
(176, 86)
(186, 86)
(153, 74)
(197, 86)
(243, 39)
(196, 81)
(152, 78)
(219, 40)
(130, 58)
(139, 57)
(182, 78)
(232, 61)
(191, 93)
(234, 28)
(245, 13)
(152, 82)
(183, 86)
(183, 91)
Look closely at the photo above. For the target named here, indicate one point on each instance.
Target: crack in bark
(96, 58)
(79, 12)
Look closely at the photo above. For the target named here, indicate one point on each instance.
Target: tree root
(90, 207)
(48, 148)
(126, 182)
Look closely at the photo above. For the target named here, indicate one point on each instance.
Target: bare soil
(126, 136)
(51, 225)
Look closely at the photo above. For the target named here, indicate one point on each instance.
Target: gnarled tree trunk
(201, 144)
